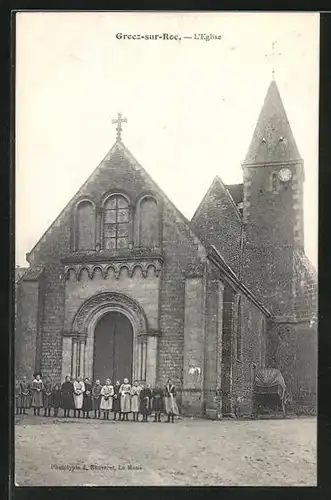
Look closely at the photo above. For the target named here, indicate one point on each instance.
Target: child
(25, 395)
(18, 403)
(157, 403)
(125, 391)
(170, 404)
(56, 399)
(135, 391)
(106, 404)
(96, 398)
(79, 389)
(87, 398)
(37, 393)
(117, 400)
(145, 398)
(47, 394)
(67, 396)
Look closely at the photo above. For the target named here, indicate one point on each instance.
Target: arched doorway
(113, 347)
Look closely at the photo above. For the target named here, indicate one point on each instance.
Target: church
(123, 285)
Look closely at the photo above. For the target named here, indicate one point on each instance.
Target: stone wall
(194, 345)
(181, 249)
(27, 332)
(218, 221)
(272, 233)
(293, 350)
(144, 290)
(53, 321)
(253, 352)
(183, 255)
(213, 344)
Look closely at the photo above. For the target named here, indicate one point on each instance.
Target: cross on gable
(119, 120)
(273, 55)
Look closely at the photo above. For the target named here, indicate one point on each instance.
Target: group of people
(82, 397)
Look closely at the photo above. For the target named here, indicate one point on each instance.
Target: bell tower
(273, 207)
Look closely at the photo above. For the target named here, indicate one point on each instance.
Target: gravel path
(68, 452)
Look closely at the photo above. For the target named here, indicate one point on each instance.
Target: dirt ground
(190, 452)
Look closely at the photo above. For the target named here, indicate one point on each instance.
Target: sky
(191, 104)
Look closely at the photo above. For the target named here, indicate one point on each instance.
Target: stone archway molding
(99, 304)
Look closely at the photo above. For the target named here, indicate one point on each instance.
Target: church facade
(123, 285)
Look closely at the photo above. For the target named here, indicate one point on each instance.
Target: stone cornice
(82, 335)
(109, 256)
(116, 266)
(154, 333)
(290, 320)
(272, 163)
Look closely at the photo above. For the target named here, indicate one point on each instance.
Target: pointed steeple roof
(272, 140)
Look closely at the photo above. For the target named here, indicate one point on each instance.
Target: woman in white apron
(107, 393)
(170, 403)
(135, 391)
(79, 389)
(125, 391)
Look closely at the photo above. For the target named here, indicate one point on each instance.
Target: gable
(118, 171)
(218, 221)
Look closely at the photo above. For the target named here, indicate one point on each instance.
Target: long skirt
(78, 399)
(170, 406)
(106, 404)
(25, 400)
(47, 400)
(125, 403)
(96, 403)
(135, 403)
(67, 402)
(117, 403)
(56, 401)
(87, 403)
(157, 403)
(144, 406)
(37, 399)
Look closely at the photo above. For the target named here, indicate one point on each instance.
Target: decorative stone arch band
(78, 346)
(97, 305)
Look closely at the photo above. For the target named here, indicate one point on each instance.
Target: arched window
(149, 224)
(85, 226)
(116, 222)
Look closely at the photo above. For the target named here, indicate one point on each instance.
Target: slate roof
(273, 140)
(236, 191)
(19, 272)
(33, 273)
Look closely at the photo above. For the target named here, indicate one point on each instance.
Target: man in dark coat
(47, 397)
(96, 398)
(67, 396)
(157, 403)
(117, 400)
(145, 402)
(56, 399)
(87, 398)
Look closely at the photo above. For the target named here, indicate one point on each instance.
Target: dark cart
(269, 392)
